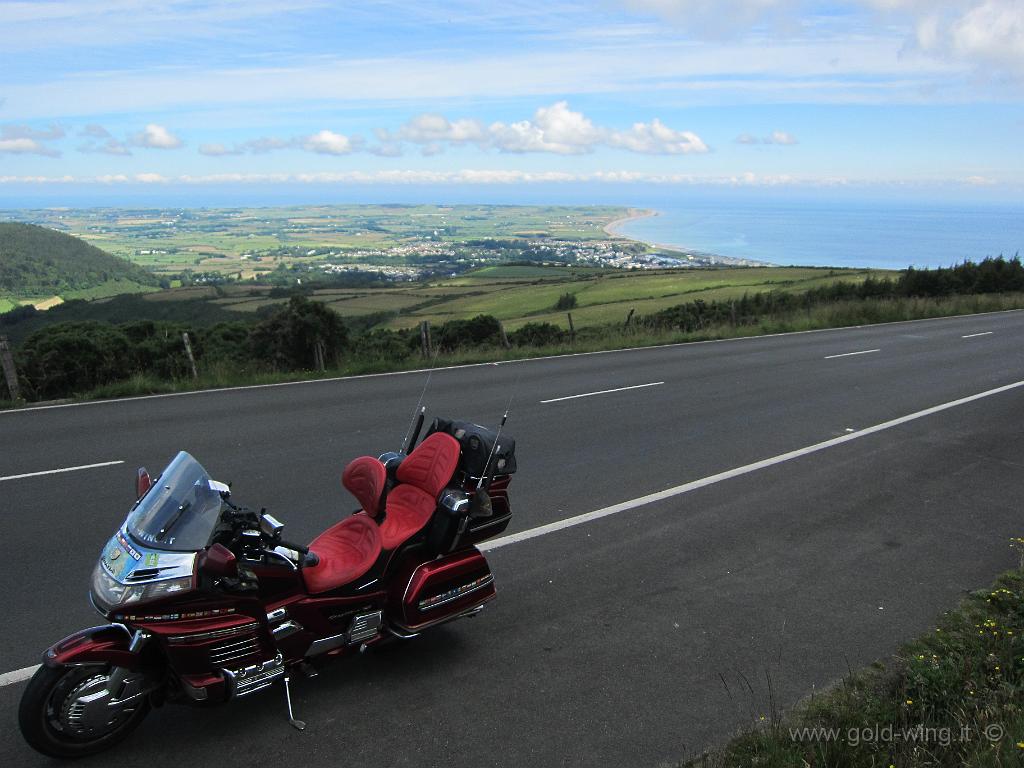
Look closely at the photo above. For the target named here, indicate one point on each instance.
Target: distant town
(390, 242)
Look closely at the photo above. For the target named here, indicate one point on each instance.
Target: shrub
(480, 330)
(74, 357)
(287, 340)
(566, 301)
(536, 335)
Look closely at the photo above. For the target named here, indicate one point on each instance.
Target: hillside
(36, 262)
(516, 295)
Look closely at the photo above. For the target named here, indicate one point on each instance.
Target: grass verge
(953, 697)
(594, 339)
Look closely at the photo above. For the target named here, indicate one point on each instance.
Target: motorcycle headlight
(108, 592)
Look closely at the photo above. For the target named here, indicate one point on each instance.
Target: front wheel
(68, 712)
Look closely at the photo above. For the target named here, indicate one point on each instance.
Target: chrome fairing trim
(457, 593)
(215, 634)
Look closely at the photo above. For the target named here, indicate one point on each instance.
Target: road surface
(773, 511)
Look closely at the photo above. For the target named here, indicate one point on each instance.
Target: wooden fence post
(318, 356)
(504, 336)
(572, 329)
(188, 351)
(629, 317)
(10, 372)
(425, 338)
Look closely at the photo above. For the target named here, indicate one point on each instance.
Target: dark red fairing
(143, 483)
(107, 644)
(443, 589)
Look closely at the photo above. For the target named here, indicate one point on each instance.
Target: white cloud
(266, 144)
(27, 147)
(16, 131)
(775, 137)
(155, 136)
(430, 128)
(99, 140)
(217, 150)
(656, 138)
(991, 31)
(781, 137)
(553, 129)
(497, 176)
(18, 139)
(714, 18)
(328, 143)
(94, 131)
(980, 32)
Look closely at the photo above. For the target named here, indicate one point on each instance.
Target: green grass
(6, 305)
(589, 339)
(108, 289)
(959, 688)
(607, 296)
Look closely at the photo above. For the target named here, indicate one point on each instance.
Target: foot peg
(298, 724)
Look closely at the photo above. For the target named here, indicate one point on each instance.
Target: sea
(836, 232)
(830, 228)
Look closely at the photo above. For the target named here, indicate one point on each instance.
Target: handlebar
(289, 545)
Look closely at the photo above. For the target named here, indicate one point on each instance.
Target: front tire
(50, 712)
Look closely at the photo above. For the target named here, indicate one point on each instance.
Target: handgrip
(297, 547)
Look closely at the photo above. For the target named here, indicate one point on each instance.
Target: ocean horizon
(893, 234)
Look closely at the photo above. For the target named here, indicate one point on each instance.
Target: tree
(289, 338)
(566, 301)
(67, 358)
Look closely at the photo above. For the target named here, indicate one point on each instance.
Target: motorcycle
(207, 603)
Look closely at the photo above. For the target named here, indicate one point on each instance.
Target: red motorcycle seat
(422, 474)
(408, 510)
(346, 551)
(364, 478)
(431, 465)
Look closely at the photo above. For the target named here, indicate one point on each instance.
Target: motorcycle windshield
(180, 511)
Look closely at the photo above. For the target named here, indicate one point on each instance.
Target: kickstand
(299, 724)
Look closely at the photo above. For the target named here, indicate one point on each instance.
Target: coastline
(612, 229)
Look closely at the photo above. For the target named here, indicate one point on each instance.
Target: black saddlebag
(476, 443)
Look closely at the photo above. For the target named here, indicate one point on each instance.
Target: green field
(517, 295)
(249, 242)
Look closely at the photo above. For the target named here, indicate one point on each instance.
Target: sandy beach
(612, 230)
(612, 227)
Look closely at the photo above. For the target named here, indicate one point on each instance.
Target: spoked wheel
(68, 712)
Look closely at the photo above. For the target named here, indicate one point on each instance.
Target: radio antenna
(420, 409)
(497, 446)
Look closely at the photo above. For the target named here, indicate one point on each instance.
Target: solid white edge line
(500, 362)
(850, 354)
(10, 678)
(65, 469)
(602, 392)
(18, 675)
(731, 473)
(972, 335)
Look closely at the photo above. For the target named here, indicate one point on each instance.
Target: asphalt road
(631, 640)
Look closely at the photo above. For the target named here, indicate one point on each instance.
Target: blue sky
(133, 97)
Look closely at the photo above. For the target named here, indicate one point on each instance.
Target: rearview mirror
(143, 483)
(218, 561)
